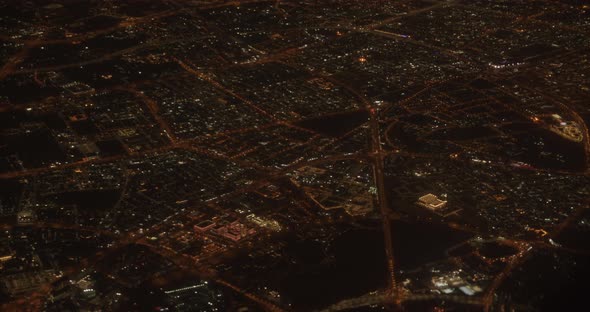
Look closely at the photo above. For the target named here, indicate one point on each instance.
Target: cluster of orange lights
(541, 232)
(362, 59)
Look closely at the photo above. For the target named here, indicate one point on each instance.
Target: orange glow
(541, 232)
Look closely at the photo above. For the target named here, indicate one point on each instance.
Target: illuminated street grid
(292, 154)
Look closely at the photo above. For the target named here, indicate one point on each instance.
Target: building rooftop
(431, 201)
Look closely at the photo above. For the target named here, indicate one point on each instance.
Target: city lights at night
(294, 155)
